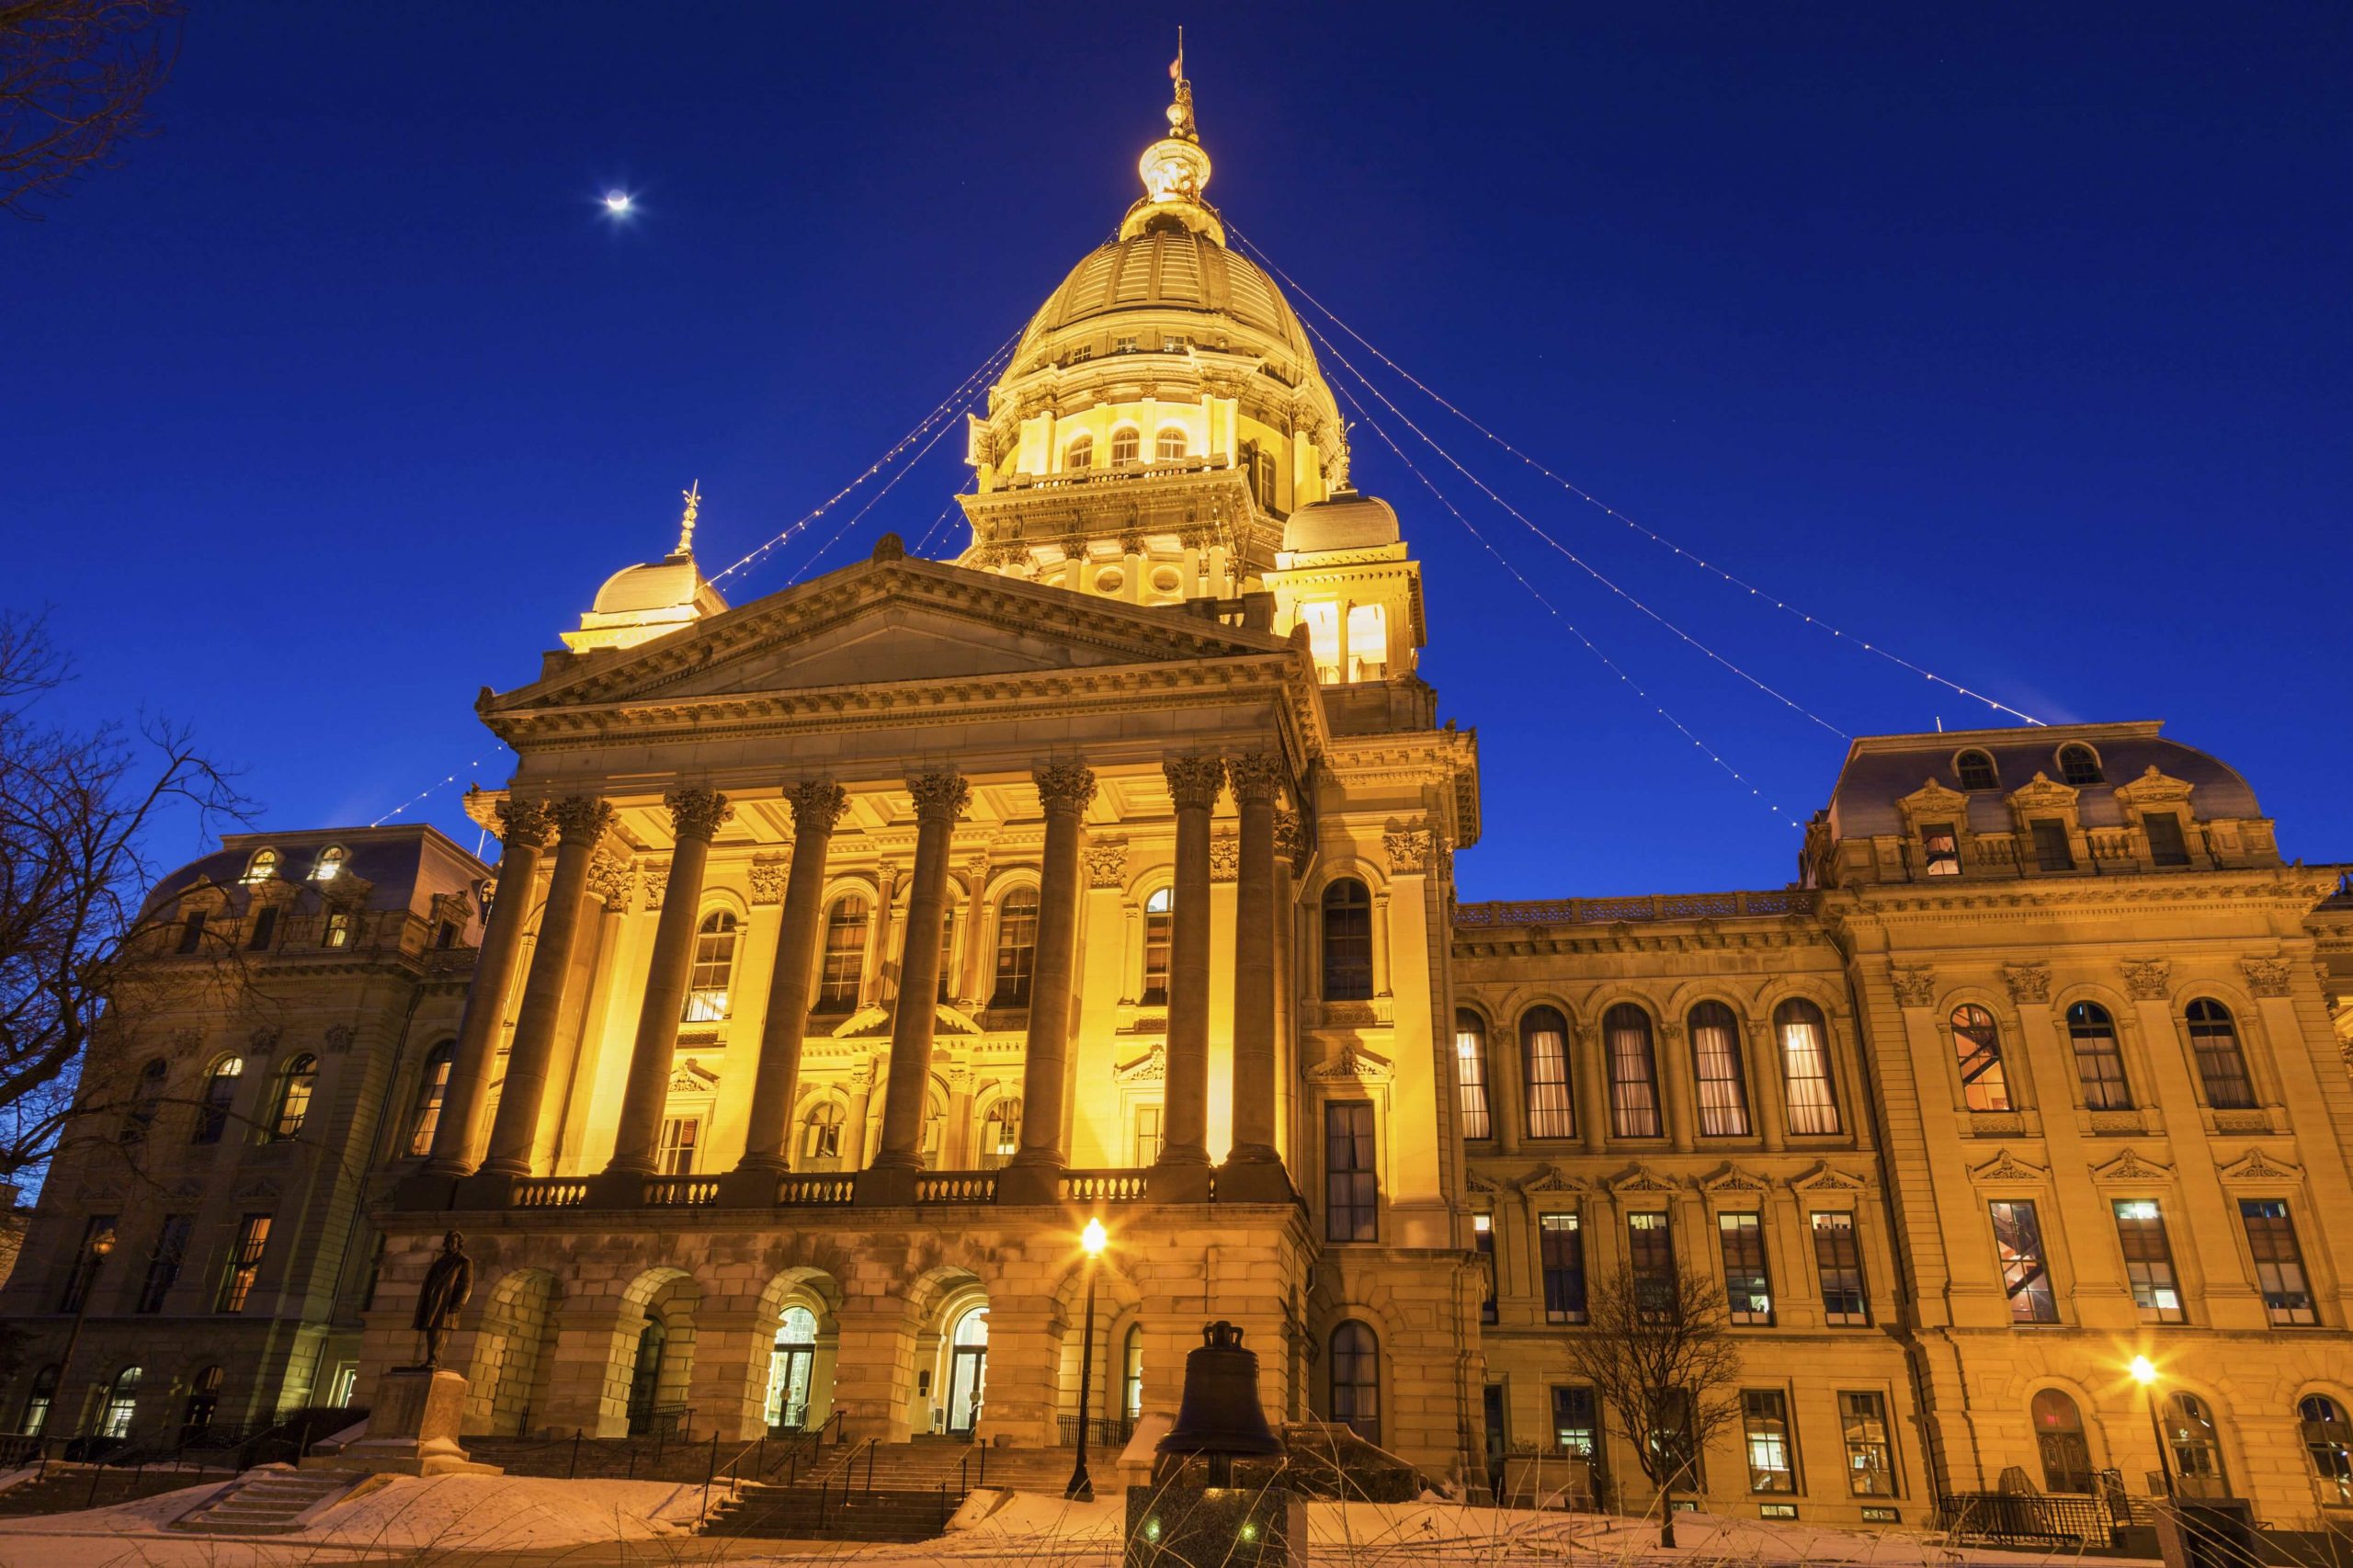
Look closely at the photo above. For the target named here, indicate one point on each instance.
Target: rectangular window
(1159, 931)
(244, 1264)
(2148, 1260)
(2167, 844)
(1765, 1424)
(1870, 1464)
(2051, 851)
(679, 1134)
(2279, 1261)
(2025, 1276)
(85, 1261)
(1941, 849)
(192, 931)
(1649, 1259)
(1349, 1184)
(1576, 1428)
(1749, 1294)
(164, 1262)
(339, 933)
(1483, 1240)
(1562, 1257)
(1471, 1081)
(1840, 1262)
(265, 927)
(1147, 1136)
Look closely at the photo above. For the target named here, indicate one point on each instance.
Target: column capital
(1194, 781)
(1290, 838)
(580, 819)
(696, 813)
(522, 823)
(940, 794)
(1063, 788)
(1255, 776)
(817, 805)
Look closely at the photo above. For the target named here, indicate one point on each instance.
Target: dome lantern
(640, 603)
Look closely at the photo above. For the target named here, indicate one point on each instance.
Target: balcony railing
(1639, 907)
(681, 1192)
(815, 1189)
(1103, 1186)
(957, 1187)
(550, 1192)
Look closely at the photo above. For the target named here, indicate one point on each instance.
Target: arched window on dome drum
(2099, 1065)
(1633, 1072)
(2221, 1065)
(1976, 770)
(1977, 1044)
(432, 1084)
(296, 1083)
(1805, 1067)
(1127, 444)
(1079, 455)
(2078, 764)
(1544, 1069)
(1717, 1081)
(844, 963)
(1170, 447)
(1471, 1074)
(821, 1138)
(2329, 1441)
(1017, 947)
(1356, 1379)
(714, 968)
(1000, 1133)
(1348, 941)
(2059, 1434)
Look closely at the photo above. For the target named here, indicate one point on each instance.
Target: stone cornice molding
(2020, 900)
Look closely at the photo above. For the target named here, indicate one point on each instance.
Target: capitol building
(848, 949)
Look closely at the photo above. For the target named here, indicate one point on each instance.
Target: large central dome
(1166, 265)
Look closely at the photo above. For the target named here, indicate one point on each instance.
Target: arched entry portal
(792, 1369)
(646, 1376)
(968, 1362)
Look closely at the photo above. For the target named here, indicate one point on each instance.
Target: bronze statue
(447, 1285)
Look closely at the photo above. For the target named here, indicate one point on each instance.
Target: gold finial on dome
(693, 497)
(1176, 169)
(1180, 112)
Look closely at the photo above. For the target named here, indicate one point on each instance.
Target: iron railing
(1639, 907)
(1102, 1431)
(2028, 1517)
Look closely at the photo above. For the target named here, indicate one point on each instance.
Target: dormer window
(1976, 770)
(2079, 765)
(330, 864)
(1079, 456)
(1939, 849)
(339, 929)
(1127, 443)
(261, 867)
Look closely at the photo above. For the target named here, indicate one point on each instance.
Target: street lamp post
(100, 1244)
(2144, 1372)
(1082, 1487)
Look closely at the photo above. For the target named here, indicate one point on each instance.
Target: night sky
(2016, 341)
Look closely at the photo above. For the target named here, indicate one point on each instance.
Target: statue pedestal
(411, 1428)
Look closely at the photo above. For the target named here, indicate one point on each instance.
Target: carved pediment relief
(2132, 1166)
(1640, 1178)
(2153, 788)
(689, 1076)
(1934, 803)
(1152, 1067)
(2006, 1167)
(255, 1189)
(1733, 1181)
(2256, 1167)
(2044, 793)
(1477, 1183)
(1823, 1179)
(1548, 1178)
(1352, 1064)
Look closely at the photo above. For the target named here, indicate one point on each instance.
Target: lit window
(1159, 930)
(844, 960)
(262, 867)
(1978, 1045)
(1348, 941)
(2078, 764)
(1765, 1426)
(1544, 1068)
(1125, 445)
(1650, 1260)
(42, 1394)
(714, 968)
(297, 1081)
(1123, 345)
(1939, 849)
(2051, 850)
(1079, 456)
(1633, 1072)
(2099, 1065)
(1839, 1263)
(1483, 1241)
(1146, 1136)
(1356, 1379)
(1716, 1060)
(1805, 1067)
(1001, 1132)
(2026, 1275)
(2167, 844)
(2059, 1434)
(821, 1136)
(432, 1088)
(1871, 1462)
(1170, 446)
(1351, 1188)
(1748, 1290)
(1976, 770)
(1017, 947)
(2279, 1261)
(2196, 1448)
(2329, 1441)
(1172, 344)
(2221, 1065)
(679, 1136)
(339, 931)
(1576, 1427)
(219, 1092)
(2148, 1260)
(1471, 1074)
(122, 1403)
(244, 1264)
(1561, 1246)
(331, 863)
(1323, 622)
(1368, 643)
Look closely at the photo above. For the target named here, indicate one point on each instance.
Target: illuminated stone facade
(1142, 805)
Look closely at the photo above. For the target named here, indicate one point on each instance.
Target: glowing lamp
(1093, 1238)
(2144, 1370)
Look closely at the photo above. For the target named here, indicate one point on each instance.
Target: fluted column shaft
(1193, 784)
(940, 799)
(767, 1138)
(580, 824)
(1064, 790)
(1256, 779)
(456, 1136)
(695, 816)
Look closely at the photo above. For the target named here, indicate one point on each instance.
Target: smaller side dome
(640, 603)
(1346, 520)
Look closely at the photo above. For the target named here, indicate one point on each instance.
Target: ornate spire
(693, 497)
(1180, 111)
(1176, 169)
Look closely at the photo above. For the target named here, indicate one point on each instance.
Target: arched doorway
(968, 1361)
(792, 1367)
(646, 1376)
(2058, 1436)
(506, 1379)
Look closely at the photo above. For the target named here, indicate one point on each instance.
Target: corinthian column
(580, 822)
(768, 1137)
(695, 816)
(1254, 1169)
(1064, 790)
(940, 799)
(1182, 1174)
(456, 1136)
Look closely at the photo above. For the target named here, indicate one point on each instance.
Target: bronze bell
(1221, 1416)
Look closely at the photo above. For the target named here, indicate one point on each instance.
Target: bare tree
(82, 956)
(1656, 1352)
(75, 76)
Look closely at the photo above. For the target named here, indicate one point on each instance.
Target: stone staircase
(884, 1492)
(266, 1501)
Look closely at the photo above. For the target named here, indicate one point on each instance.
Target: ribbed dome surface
(1346, 521)
(1169, 268)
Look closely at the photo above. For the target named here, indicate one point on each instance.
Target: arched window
(1159, 928)
(792, 1364)
(1716, 1077)
(38, 1400)
(844, 965)
(2329, 1441)
(1348, 941)
(1125, 445)
(1017, 947)
(1356, 1379)
(1000, 1133)
(714, 968)
(297, 1081)
(1805, 1067)
(146, 1098)
(1079, 456)
(2099, 1065)
(1976, 770)
(2059, 1432)
(2078, 764)
(2221, 1065)
(1170, 448)
(122, 1403)
(262, 867)
(821, 1136)
(1132, 1373)
(1471, 1074)
(1544, 1068)
(203, 1403)
(2196, 1448)
(1977, 1044)
(432, 1087)
(330, 864)
(219, 1094)
(1633, 1072)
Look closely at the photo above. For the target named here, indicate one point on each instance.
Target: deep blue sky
(2016, 340)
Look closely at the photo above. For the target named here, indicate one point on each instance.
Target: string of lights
(1654, 536)
(906, 469)
(938, 527)
(439, 783)
(1549, 609)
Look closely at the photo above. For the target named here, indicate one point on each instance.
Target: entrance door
(645, 1377)
(791, 1365)
(968, 1371)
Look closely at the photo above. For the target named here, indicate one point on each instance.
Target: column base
(422, 1190)
(749, 1188)
(617, 1189)
(1254, 1181)
(1168, 1183)
(886, 1186)
(485, 1190)
(1034, 1184)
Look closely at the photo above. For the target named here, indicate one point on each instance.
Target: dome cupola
(640, 603)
